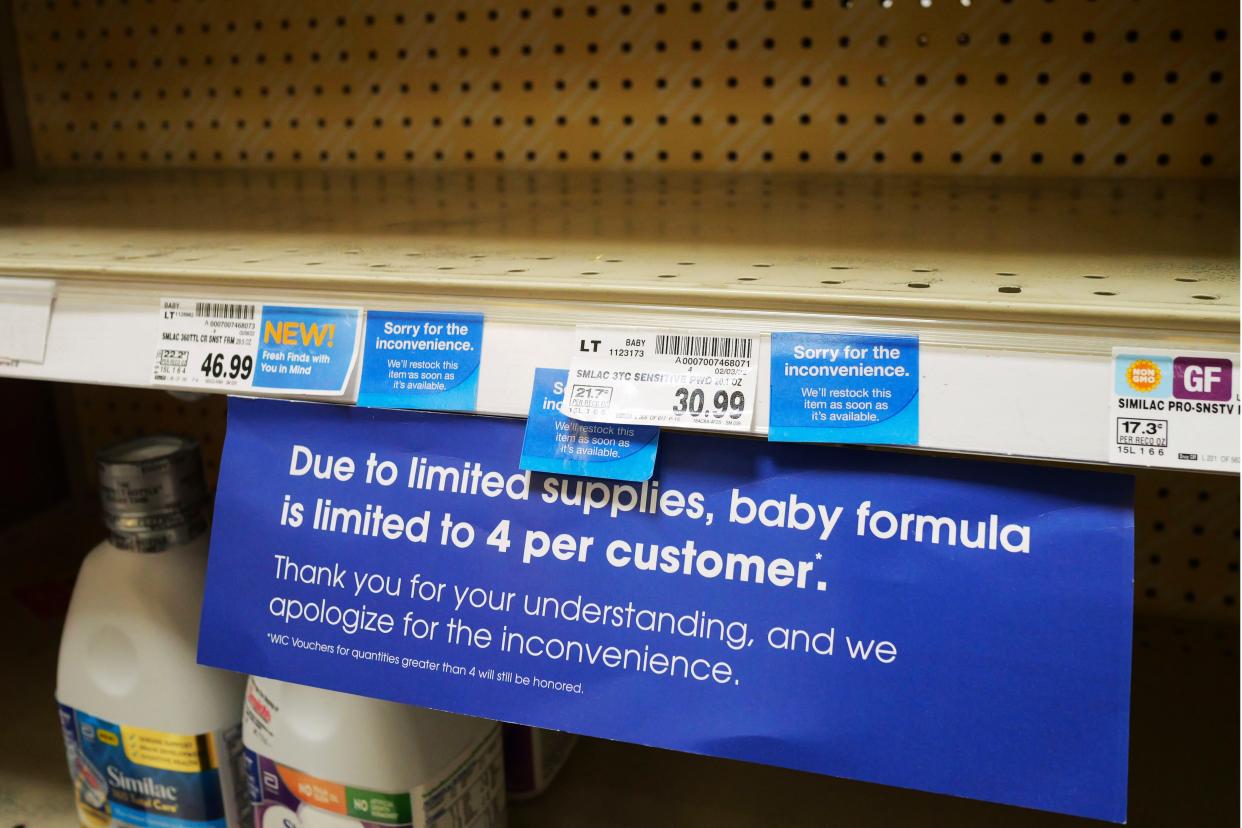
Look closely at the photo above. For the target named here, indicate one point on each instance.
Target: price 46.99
(237, 367)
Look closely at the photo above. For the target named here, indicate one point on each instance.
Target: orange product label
(1143, 375)
(322, 794)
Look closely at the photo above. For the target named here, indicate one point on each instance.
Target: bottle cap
(153, 492)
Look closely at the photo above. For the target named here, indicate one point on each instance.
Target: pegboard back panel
(1185, 534)
(105, 415)
(1055, 87)
(1186, 545)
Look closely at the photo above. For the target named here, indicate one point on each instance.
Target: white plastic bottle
(152, 738)
(321, 759)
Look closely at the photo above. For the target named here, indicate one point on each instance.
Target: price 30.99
(724, 403)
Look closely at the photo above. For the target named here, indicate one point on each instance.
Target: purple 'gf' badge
(1202, 378)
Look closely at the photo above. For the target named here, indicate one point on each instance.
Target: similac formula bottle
(153, 739)
(321, 759)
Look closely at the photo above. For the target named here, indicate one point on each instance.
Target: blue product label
(844, 388)
(139, 778)
(556, 444)
(306, 349)
(421, 360)
(948, 625)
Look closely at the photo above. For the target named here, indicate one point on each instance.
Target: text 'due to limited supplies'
(950, 626)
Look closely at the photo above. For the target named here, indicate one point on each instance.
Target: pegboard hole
(1009, 289)
(1105, 293)
(919, 285)
(1205, 297)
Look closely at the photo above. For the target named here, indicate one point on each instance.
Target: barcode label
(709, 346)
(249, 346)
(223, 310)
(637, 376)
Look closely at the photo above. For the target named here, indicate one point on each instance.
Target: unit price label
(693, 379)
(235, 346)
(1174, 409)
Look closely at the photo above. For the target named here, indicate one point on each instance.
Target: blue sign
(306, 349)
(421, 360)
(844, 388)
(556, 444)
(953, 626)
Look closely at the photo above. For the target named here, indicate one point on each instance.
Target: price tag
(1174, 409)
(692, 379)
(235, 346)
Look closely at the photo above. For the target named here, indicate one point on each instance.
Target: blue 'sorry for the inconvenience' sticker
(556, 444)
(421, 360)
(844, 388)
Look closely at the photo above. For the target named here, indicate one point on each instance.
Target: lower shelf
(1184, 750)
